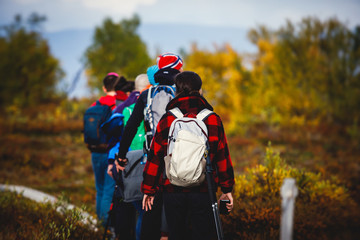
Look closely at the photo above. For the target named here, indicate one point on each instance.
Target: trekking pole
(109, 213)
(213, 199)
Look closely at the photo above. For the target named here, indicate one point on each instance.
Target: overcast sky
(243, 14)
(80, 14)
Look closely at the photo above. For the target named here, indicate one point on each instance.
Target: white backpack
(187, 148)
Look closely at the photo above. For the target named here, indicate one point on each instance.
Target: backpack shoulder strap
(167, 88)
(130, 108)
(133, 166)
(149, 95)
(171, 88)
(176, 112)
(203, 114)
(98, 103)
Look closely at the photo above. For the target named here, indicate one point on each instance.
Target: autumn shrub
(53, 163)
(52, 117)
(323, 207)
(21, 218)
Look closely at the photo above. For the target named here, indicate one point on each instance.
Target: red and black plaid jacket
(219, 152)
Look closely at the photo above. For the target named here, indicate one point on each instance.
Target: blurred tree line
(117, 48)
(303, 73)
(29, 72)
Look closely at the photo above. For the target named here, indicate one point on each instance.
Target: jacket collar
(193, 103)
(107, 100)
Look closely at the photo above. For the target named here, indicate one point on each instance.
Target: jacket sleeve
(111, 155)
(131, 127)
(219, 154)
(155, 163)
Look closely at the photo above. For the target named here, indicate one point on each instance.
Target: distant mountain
(70, 45)
(172, 37)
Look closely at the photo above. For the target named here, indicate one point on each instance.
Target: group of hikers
(159, 153)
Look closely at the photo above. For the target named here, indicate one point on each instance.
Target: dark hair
(187, 82)
(110, 82)
(119, 83)
(127, 87)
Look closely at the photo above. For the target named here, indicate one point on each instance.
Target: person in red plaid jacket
(180, 202)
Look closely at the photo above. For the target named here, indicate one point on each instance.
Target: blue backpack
(94, 137)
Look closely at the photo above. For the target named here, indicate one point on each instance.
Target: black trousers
(151, 222)
(189, 216)
(123, 218)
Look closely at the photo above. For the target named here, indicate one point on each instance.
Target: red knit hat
(169, 60)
